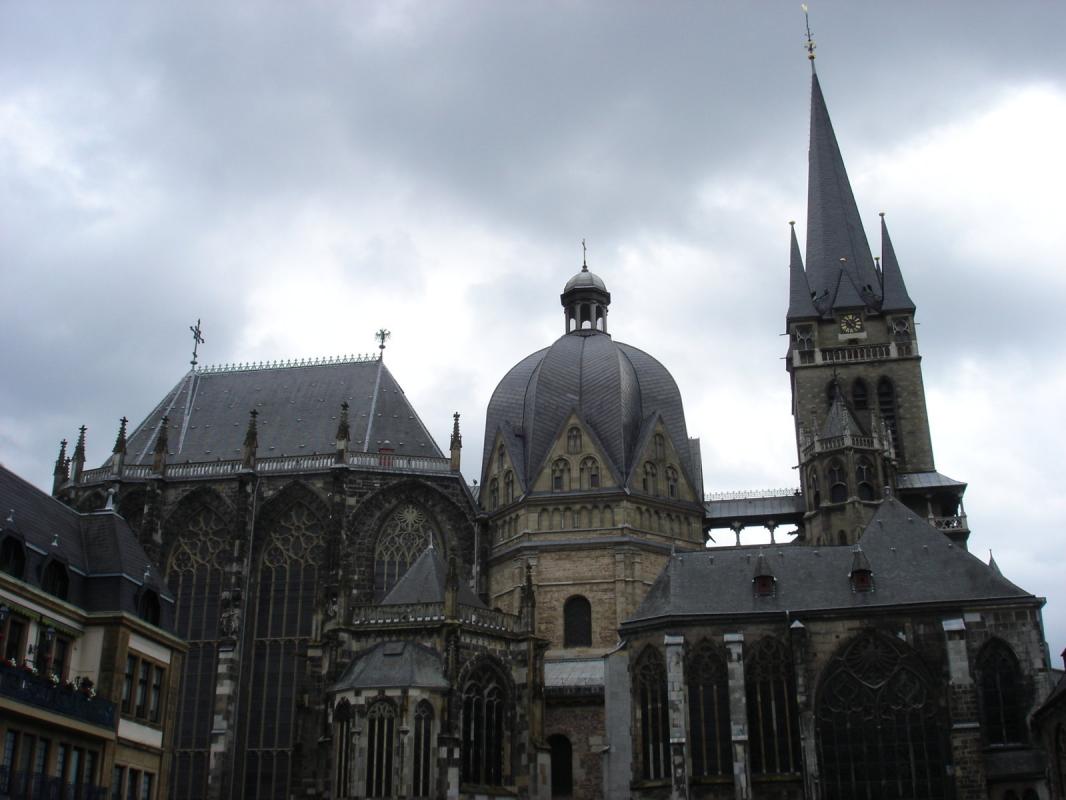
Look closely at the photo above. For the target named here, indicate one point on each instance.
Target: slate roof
(298, 410)
(424, 582)
(96, 544)
(894, 290)
(613, 387)
(391, 664)
(573, 673)
(840, 421)
(925, 480)
(800, 305)
(787, 508)
(912, 563)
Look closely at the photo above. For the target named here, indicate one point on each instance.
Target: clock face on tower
(850, 323)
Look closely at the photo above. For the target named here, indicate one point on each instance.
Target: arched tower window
(562, 760)
(860, 397)
(577, 622)
(650, 482)
(342, 723)
(494, 494)
(403, 538)
(838, 482)
(999, 681)
(590, 473)
(708, 708)
(886, 405)
(671, 482)
(12, 557)
(660, 447)
(483, 727)
(55, 580)
(561, 475)
(814, 486)
(773, 717)
(878, 724)
(573, 441)
(380, 747)
(423, 752)
(653, 724)
(864, 478)
(508, 486)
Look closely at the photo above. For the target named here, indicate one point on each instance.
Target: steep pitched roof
(800, 305)
(894, 290)
(425, 582)
(390, 664)
(912, 563)
(834, 228)
(298, 407)
(840, 421)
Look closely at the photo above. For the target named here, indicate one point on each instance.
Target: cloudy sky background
(299, 175)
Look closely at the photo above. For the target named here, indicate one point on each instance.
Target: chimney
(457, 442)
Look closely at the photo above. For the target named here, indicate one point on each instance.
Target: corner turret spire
(251, 441)
(78, 463)
(800, 305)
(456, 444)
(894, 290)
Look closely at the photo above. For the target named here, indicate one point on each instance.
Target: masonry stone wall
(583, 724)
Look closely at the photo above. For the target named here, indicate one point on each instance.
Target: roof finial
(120, 438)
(584, 257)
(810, 40)
(197, 340)
(382, 336)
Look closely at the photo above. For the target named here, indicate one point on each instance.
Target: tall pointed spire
(894, 290)
(120, 439)
(800, 305)
(456, 443)
(60, 472)
(79, 456)
(840, 268)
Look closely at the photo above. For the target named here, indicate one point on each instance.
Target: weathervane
(382, 336)
(810, 41)
(197, 340)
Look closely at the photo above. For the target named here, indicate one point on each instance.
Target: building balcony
(37, 786)
(24, 687)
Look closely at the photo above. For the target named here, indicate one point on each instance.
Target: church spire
(840, 268)
(78, 464)
(894, 290)
(800, 305)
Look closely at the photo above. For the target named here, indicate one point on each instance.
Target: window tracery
(650, 483)
(773, 718)
(403, 538)
(708, 706)
(573, 441)
(671, 482)
(380, 748)
(838, 482)
(508, 486)
(653, 724)
(590, 473)
(660, 447)
(483, 727)
(342, 721)
(865, 477)
(561, 475)
(494, 494)
(422, 780)
(1000, 693)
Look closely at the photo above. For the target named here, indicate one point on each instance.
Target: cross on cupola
(585, 299)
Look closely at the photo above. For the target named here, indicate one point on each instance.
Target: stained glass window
(773, 718)
(708, 708)
(653, 722)
(403, 538)
(999, 685)
(483, 727)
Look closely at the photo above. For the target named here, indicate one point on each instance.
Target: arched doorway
(562, 755)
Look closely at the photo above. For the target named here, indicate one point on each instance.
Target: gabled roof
(391, 664)
(894, 290)
(299, 407)
(425, 582)
(912, 563)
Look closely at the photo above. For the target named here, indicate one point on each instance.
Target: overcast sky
(299, 175)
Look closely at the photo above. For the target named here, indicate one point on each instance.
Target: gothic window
(494, 494)
(804, 337)
(508, 486)
(561, 475)
(590, 473)
(577, 622)
(403, 538)
(562, 761)
(660, 447)
(859, 396)
(12, 557)
(708, 708)
(483, 727)
(423, 750)
(830, 393)
(380, 747)
(999, 683)
(886, 404)
(573, 441)
(499, 458)
(671, 482)
(342, 721)
(55, 580)
(195, 573)
(773, 718)
(148, 607)
(650, 483)
(838, 482)
(864, 476)
(653, 725)
(815, 488)
(878, 724)
(281, 611)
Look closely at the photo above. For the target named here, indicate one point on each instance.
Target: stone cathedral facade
(362, 622)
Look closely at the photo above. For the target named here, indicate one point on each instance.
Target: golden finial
(810, 40)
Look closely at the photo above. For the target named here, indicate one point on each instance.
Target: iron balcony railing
(21, 785)
(25, 687)
(421, 613)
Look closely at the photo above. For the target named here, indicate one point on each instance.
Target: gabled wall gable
(669, 459)
(590, 447)
(495, 472)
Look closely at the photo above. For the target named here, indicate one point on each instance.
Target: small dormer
(861, 575)
(764, 583)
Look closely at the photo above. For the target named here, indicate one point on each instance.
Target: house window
(12, 557)
(573, 441)
(561, 475)
(423, 752)
(671, 482)
(838, 486)
(404, 537)
(483, 727)
(660, 447)
(650, 483)
(878, 723)
(13, 632)
(708, 708)
(653, 725)
(999, 683)
(577, 622)
(55, 580)
(508, 486)
(864, 476)
(52, 653)
(142, 689)
(590, 473)
(380, 746)
(773, 718)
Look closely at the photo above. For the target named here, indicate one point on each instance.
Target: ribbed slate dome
(615, 388)
(583, 279)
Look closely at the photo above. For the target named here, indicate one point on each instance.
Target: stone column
(677, 710)
(967, 764)
(738, 715)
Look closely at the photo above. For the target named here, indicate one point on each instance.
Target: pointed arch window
(886, 405)
(561, 475)
(422, 780)
(671, 482)
(573, 441)
(660, 447)
(12, 557)
(403, 538)
(483, 727)
(577, 622)
(342, 723)
(865, 477)
(999, 681)
(838, 482)
(860, 396)
(494, 494)
(653, 725)
(508, 486)
(708, 708)
(815, 487)
(650, 482)
(380, 748)
(878, 724)
(590, 473)
(773, 717)
(499, 459)
(55, 580)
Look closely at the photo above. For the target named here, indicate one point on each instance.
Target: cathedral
(363, 622)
